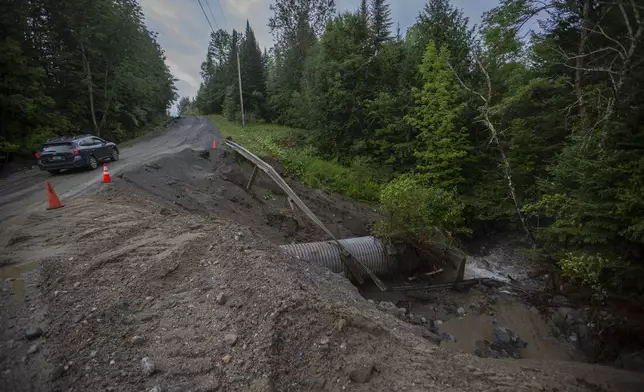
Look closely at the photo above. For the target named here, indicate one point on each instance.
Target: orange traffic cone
(106, 175)
(214, 144)
(54, 202)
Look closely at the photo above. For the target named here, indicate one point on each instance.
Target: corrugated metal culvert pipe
(369, 250)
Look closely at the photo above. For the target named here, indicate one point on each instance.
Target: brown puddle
(471, 330)
(14, 273)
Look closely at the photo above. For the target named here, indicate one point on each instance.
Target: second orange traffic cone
(52, 198)
(106, 175)
(214, 144)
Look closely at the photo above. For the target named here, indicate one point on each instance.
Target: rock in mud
(505, 344)
(78, 318)
(502, 335)
(32, 333)
(230, 339)
(386, 306)
(362, 374)
(340, 325)
(565, 318)
(136, 339)
(33, 349)
(157, 388)
(226, 358)
(221, 299)
(148, 366)
(460, 311)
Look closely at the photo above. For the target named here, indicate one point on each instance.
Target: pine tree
(231, 106)
(443, 146)
(381, 21)
(252, 70)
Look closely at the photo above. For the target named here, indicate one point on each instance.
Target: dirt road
(24, 193)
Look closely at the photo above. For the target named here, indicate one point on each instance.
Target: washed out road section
(24, 192)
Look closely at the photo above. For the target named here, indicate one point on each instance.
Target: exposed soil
(176, 263)
(213, 184)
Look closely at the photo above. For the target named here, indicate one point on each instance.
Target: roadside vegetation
(70, 67)
(293, 149)
(530, 121)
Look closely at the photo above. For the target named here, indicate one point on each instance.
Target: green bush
(423, 214)
(590, 270)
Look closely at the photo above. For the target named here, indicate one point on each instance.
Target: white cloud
(180, 74)
(241, 7)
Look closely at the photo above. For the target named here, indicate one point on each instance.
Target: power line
(204, 14)
(222, 11)
(211, 14)
(241, 97)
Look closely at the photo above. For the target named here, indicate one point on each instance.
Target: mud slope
(142, 280)
(213, 184)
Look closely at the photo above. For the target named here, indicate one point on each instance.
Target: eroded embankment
(214, 304)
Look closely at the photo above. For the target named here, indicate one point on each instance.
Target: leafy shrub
(423, 214)
(590, 270)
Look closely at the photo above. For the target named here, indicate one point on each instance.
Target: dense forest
(533, 120)
(78, 66)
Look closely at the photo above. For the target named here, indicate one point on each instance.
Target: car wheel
(115, 155)
(54, 172)
(93, 163)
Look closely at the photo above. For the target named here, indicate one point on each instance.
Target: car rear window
(66, 147)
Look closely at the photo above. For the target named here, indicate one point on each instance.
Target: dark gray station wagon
(70, 152)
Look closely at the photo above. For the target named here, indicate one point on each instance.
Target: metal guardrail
(354, 266)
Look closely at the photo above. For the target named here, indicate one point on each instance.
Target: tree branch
(494, 137)
(603, 33)
(626, 20)
(636, 13)
(463, 84)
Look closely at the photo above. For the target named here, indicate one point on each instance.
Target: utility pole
(241, 97)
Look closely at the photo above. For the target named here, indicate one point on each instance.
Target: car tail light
(37, 155)
(76, 152)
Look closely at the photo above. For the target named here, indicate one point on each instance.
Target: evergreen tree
(442, 147)
(252, 71)
(381, 20)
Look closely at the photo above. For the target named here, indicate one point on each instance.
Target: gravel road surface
(23, 193)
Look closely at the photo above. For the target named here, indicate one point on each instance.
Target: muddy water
(471, 329)
(14, 275)
(467, 319)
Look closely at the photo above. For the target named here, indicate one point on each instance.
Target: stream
(485, 321)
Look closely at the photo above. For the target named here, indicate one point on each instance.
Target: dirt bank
(213, 184)
(142, 281)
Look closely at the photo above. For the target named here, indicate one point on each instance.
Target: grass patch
(293, 150)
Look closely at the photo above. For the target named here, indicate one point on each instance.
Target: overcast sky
(184, 32)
